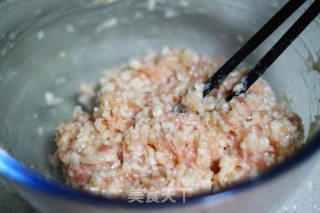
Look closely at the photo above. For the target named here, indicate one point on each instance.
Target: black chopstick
(282, 44)
(285, 12)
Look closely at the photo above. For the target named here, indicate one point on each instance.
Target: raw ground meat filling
(135, 138)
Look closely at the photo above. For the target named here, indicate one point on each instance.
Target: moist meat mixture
(135, 138)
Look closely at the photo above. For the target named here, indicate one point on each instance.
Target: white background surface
(305, 200)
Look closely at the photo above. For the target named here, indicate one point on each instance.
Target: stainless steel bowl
(46, 42)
